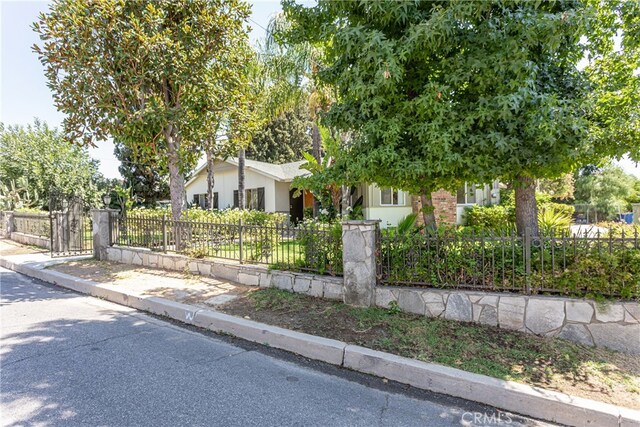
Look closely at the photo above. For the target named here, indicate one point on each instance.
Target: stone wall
(28, 239)
(615, 325)
(252, 275)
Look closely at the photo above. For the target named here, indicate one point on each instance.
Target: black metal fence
(307, 247)
(32, 223)
(590, 264)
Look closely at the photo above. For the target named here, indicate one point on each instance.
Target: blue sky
(23, 91)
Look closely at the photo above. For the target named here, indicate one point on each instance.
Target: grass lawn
(555, 364)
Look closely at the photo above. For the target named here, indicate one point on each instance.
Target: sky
(24, 94)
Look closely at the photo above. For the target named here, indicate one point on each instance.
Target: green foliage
(434, 102)
(620, 229)
(35, 159)
(613, 42)
(283, 139)
(496, 217)
(598, 274)
(407, 224)
(580, 267)
(607, 189)
(326, 177)
(155, 76)
(322, 244)
(225, 216)
(553, 222)
(560, 188)
(146, 179)
(16, 196)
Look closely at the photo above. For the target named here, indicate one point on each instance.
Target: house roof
(284, 172)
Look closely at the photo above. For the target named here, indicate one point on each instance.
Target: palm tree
(293, 66)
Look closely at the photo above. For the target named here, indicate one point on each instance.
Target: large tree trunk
(210, 177)
(316, 141)
(241, 155)
(428, 214)
(526, 206)
(176, 179)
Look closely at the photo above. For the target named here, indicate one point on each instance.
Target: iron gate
(71, 225)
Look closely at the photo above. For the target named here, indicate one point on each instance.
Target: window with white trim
(467, 194)
(391, 197)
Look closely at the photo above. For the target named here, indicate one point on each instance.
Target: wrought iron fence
(306, 247)
(590, 264)
(32, 223)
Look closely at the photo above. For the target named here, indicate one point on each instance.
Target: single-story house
(268, 188)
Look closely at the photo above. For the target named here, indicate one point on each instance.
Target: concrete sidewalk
(510, 396)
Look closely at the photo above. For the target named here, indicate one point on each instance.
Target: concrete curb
(510, 396)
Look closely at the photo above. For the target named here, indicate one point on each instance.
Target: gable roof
(283, 173)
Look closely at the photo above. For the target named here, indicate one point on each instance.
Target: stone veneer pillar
(7, 225)
(101, 232)
(636, 212)
(359, 262)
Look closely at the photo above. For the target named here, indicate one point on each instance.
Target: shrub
(553, 222)
(322, 244)
(225, 216)
(566, 210)
(616, 229)
(495, 217)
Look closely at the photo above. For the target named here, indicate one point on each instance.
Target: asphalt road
(70, 360)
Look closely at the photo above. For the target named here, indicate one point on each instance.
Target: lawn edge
(511, 396)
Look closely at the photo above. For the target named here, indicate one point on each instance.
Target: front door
(296, 207)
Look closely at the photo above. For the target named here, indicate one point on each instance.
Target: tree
(148, 183)
(143, 72)
(613, 44)
(561, 188)
(35, 159)
(283, 139)
(443, 92)
(608, 189)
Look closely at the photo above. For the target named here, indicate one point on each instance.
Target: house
(268, 188)
(391, 205)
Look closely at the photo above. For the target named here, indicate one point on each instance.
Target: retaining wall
(252, 275)
(28, 239)
(614, 325)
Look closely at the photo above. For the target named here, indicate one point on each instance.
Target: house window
(390, 197)
(467, 194)
(202, 200)
(253, 199)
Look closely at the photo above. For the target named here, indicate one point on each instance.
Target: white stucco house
(268, 188)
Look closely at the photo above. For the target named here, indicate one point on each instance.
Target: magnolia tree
(443, 92)
(146, 73)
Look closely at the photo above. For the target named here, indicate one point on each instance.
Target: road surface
(70, 360)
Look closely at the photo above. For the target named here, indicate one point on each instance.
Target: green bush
(454, 258)
(225, 216)
(565, 210)
(322, 243)
(495, 217)
(554, 222)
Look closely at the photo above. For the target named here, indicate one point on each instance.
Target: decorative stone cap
(362, 222)
(104, 210)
